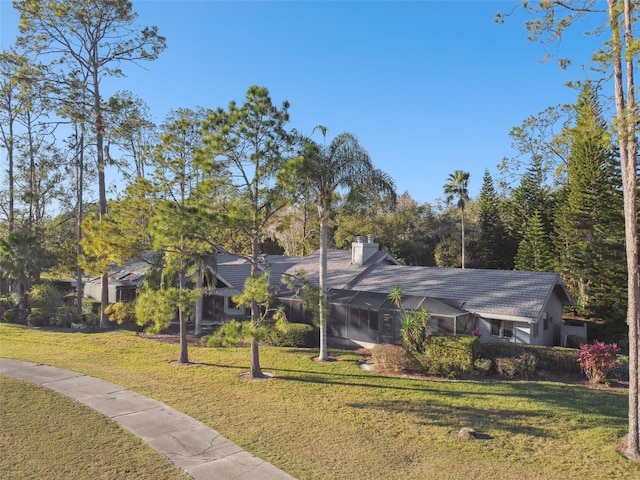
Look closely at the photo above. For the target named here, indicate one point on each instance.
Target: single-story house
(123, 280)
(503, 305)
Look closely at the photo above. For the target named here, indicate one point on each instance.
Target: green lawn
(336, 421)
(46, 435)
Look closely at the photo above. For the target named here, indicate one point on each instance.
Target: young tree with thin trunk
(184, 193)
(457, 187)
(252, 142)
(93, 37)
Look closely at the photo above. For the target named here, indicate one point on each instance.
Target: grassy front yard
(46, 435)
(335, 421)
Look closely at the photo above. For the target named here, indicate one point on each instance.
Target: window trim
(501, 328)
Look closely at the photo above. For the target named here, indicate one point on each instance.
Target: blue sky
(428, 87)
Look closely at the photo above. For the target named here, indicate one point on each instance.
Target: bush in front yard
(65, 316)
(46, 297)
(393, 358)
(121, 312)
(37, 318)
(550, 359)
(5, 304)
(448, 355)
(298, 335)
(523, 366)
(482, 366)
(11, 315)
(597, 360)
(231, 334)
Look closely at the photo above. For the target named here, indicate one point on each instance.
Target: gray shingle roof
(500, 292)
(381, 300)
(340, 271)
(233, 269)
(485, 292)
(130, 273)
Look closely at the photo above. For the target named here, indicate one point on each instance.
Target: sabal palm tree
(341, 165)
(457, 188)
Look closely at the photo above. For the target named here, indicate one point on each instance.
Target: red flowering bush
(597, 360)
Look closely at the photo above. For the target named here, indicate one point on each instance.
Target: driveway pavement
(190, 445)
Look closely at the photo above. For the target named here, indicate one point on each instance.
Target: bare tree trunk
(322, 280)
(198, 326)
(256, 371)
(102, 188)
(23, 302)
(628, 152)
(184, 352)
(462, 221)
(630, 169)
(80, 205)
(10, 147)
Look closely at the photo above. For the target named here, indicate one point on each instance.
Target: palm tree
(343, 164)
(19, 260)
(456, 187)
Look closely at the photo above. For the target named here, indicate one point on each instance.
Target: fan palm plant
(344, 165)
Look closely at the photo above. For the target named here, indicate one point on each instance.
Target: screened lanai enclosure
(371, 318)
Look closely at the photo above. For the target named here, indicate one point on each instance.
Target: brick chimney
(361, 251)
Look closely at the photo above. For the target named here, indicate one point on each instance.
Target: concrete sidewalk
(190, 445)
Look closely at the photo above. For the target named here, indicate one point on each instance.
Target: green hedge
(298, 335)
(523, 366)
(550, 359)
(448, 355)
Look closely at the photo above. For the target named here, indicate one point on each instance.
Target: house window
(387, 324)
(536, 330)
(501, 328)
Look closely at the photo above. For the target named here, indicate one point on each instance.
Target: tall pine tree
(589, 222)
(534, 252)
(496, 247)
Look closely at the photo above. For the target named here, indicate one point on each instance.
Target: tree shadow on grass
(580, 407)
